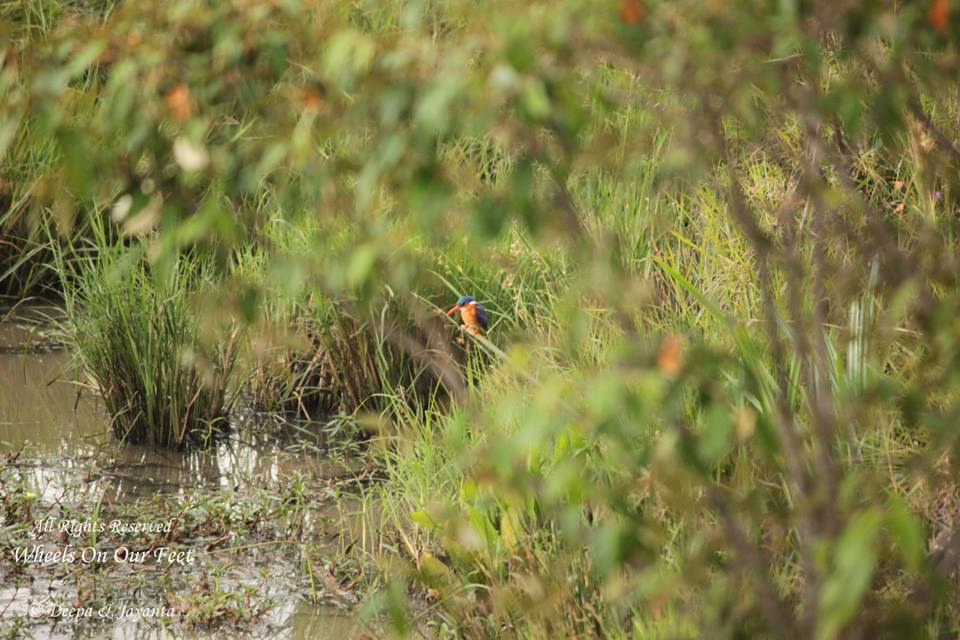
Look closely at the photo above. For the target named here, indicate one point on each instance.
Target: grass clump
(137, 335)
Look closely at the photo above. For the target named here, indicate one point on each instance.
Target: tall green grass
(322, 349)
(36, 197)
(137, 335)
(24, 251)
(523, 509)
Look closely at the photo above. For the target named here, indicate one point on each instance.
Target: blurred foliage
(718, 241)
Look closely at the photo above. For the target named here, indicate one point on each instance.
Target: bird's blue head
(461, 303)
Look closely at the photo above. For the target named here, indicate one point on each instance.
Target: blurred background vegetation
(717, 242)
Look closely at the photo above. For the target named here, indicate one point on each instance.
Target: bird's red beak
(456, 308)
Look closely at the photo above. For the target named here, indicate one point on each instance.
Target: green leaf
(854, 561)
(907, 533)
(362, 261)
(535, 100)
(717, 437)
(77, 160)
(423, 519)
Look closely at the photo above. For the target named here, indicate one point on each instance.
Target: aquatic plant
(136, 336)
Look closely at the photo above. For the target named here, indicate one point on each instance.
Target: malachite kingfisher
(473, 314)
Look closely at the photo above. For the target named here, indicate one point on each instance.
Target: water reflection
(39, 404)
(250, 453)
(59, 426)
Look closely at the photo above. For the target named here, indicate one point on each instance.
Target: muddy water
(52, 428)
(38, 402)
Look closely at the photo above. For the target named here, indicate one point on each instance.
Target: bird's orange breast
(469, 316)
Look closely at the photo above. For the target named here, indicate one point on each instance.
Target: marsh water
(53, 430)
